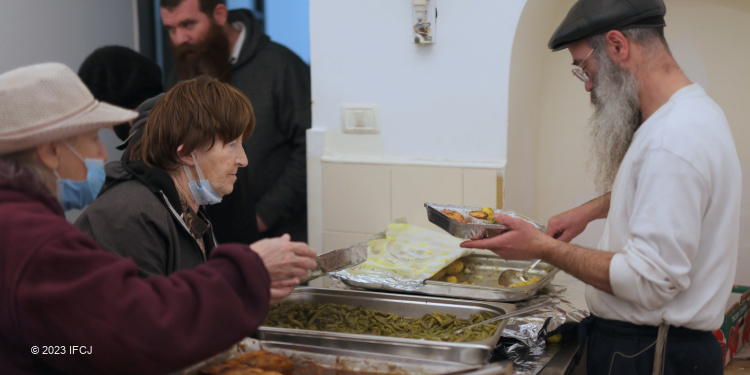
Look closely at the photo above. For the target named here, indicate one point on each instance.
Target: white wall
(443, 105)
(66, 31)
(447, 101)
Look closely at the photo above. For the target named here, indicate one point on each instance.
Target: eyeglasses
(578, 71)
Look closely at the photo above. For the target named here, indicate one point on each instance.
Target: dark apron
(615, 347)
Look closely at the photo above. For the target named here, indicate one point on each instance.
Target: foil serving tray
(484, 271)
(348, 360)
(473, 228)
(471, 353)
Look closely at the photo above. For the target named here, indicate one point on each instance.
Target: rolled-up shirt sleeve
(665, 231)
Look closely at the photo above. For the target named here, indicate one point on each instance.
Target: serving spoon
(509, 277)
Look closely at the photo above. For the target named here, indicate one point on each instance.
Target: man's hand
(286, 262)
(522, 241)
(525, 241)
(569, 224)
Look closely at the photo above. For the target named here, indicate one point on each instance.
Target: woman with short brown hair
(152, 207)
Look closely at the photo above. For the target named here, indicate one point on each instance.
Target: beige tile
(356, 197)
(480, 187)
(338, 240)
(415, 185)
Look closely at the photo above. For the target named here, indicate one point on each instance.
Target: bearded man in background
(659, 281)
(209, 56)
(270, 195)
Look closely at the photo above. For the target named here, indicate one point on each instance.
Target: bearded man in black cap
(660, 279)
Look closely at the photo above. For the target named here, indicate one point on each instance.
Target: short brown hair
(206, 6)
(193, 114)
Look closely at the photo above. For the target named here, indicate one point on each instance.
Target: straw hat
(48, 102)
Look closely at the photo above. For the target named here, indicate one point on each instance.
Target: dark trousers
(615, 347)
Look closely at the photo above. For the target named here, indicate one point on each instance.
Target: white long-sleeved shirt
(673, 220)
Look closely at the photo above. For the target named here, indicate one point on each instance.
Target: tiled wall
(360, 200)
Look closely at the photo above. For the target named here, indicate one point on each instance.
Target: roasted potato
(454, 215)
(481, 215)
(451, 279)
(555, 338)
(439, 274)
(490, 214)
(456, 267)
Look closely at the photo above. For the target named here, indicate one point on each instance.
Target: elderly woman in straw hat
(68, 307)
(152, 208)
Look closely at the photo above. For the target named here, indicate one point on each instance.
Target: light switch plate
(360, 119)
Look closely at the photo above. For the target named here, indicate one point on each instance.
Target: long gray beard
(616, 118)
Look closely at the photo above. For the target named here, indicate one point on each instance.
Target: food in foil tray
(436, 326)
(469, 221)
(257, 362)
(262, 362)
(485, 215)
(454, 215)
(460, 273)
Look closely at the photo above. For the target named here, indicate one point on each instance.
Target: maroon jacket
(57, 288)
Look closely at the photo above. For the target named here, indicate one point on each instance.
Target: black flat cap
(590, 17)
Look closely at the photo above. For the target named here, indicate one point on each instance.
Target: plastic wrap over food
(405, 257)
(472, 227)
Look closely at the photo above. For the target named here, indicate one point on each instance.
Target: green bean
(437, 326)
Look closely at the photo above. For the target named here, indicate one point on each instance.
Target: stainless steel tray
(473, 228)
(349, 360)
(473, 353)
(485, 270)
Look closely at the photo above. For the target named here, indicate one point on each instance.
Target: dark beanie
(121, 76)
(590, 17)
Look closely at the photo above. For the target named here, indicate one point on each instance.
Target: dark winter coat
(138, 215)
(59, 290)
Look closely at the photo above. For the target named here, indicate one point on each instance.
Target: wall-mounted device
(424, 21)
(359, 119)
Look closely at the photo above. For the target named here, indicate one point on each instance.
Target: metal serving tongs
(522, 311)
(337, 260)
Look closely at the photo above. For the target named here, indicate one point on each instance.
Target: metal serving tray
(472, 353)
(473, 228)
(485, 270)
(349, 360)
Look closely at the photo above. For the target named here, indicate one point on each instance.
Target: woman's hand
(286, 261)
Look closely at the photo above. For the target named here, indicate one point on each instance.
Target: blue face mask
(79, 194)
(202, 193)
